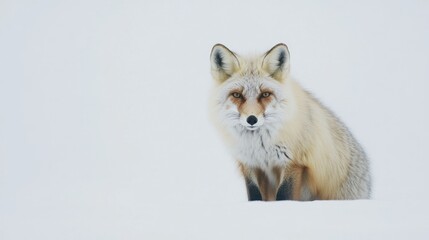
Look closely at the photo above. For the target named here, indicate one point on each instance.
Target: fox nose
(252, 120)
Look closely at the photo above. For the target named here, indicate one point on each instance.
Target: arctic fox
(287, 144)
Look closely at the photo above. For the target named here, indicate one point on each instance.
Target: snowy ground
(104, 127)
(363, 219)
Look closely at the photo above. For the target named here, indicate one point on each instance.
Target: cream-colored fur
(297, 143)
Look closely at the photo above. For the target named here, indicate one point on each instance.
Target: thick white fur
(295, 128)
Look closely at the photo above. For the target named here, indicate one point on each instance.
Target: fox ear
(276, 62)
(224, 62)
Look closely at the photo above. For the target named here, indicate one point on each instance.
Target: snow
(105, 131)
(363, 219)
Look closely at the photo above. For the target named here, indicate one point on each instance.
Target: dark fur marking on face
(237, 101)
(265, 101)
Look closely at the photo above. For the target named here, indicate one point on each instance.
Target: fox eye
(236, 95)
(265, 94)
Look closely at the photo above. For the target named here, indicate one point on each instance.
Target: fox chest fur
(257, 149)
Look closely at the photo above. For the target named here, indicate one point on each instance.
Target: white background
(105, 131)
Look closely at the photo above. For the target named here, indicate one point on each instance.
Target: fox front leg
(290, 187)
(285, 190)
(253, 193)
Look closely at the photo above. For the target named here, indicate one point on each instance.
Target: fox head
(250, 91)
